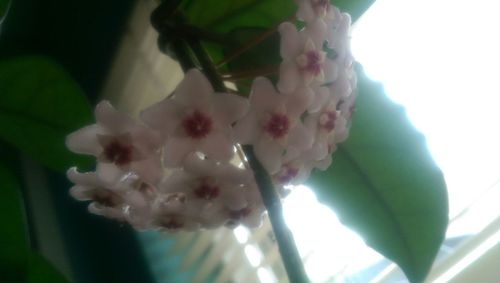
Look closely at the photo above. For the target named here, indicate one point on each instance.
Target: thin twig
(251, 43)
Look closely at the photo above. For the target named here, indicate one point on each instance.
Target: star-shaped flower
(312, 10)
(118, 140)
(109, 198)
(304, 61)
(273, 123)
(196, 120)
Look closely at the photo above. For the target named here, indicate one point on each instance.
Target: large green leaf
(384, 184)
(39, 105)
(42, 271)
(227, 15)
(355, 8)
(4, 8)
(13, 241)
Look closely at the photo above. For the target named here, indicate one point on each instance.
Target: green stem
(288, 250)
(251, 44)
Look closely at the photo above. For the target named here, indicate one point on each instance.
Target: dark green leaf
(4, 8)
(263, 58)
(224, 16)
(13, 241)
(384, 184)
(42, 271)
(39, 105)
(355, 8)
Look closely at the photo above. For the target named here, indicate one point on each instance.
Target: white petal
(176, 182)
(316, 31)
(269, 154)
(163, 116)
(246, 130)
(217, 146)
(325, 163)
(194, 91)
(297, 102)
(112, 119)
(290, 45)
(200, 167)
(148, 169)
(80, 193)
(229, 107)
(331, 71)
(177, 150)
(264, 97)
(88, 179)
(300, 137)
(146, 140)
(321, 96)
(290, 77)
(108, 173)
(306, 11)
(85, 140)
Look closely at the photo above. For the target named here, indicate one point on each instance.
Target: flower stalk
(289, 252)
(286, 244)
(250, 44)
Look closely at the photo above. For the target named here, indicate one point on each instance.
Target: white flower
(109, 198)
(312, 10)
(210, 181)
(117, 139)
(338, 34)
(273, 123)
(195, 119)
(304, 61)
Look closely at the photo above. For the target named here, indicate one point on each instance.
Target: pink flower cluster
(174, 168)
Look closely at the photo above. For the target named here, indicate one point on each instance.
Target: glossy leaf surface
(39, 105)
(384, 184)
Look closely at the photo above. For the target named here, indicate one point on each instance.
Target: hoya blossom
(305, 63)
(119, 140)
(172, 169)
(273, 123)
(312, 10)
(195, 119)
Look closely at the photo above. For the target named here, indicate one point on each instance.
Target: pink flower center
(313, 64)
(207, 190)
(327, 120)
(197, 125)
(118, 153)
(277, 126)
(239, 214)
(106, 198)
(146, 189)
(171, 222)
(287, 174)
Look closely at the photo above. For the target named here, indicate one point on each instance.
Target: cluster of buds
(176, 167)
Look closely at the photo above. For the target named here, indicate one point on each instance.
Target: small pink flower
(118, 140)
(338, 34)
(304, 61)
(109, 198)
(312, 10)
(196, 119)
(273, 123)
(209, 181)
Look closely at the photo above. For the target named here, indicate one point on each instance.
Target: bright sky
(440, 59)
